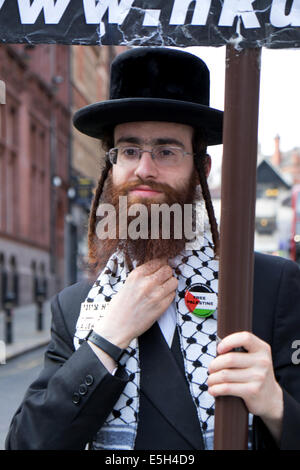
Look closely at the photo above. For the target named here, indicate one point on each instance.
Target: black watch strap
(119, 355)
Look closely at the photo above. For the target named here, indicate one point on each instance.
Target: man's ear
(207, 165)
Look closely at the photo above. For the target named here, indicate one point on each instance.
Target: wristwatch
(119, 355)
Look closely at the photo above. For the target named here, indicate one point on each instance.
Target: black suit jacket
(67, 404)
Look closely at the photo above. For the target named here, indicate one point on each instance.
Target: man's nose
(146, 166)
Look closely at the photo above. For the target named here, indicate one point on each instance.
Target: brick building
(90, 68)
(43, 159)
(34, 152)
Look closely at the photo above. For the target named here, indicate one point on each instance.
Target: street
(15, 377)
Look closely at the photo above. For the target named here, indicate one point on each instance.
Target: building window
(39, 214)
(9, 209)
(11, 196)
(12, 134)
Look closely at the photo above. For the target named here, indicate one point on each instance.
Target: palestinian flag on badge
(201, 300)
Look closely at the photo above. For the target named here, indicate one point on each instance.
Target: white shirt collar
(167, 323)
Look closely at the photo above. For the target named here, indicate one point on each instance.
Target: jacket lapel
(164, 384)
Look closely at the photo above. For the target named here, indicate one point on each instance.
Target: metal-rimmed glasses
(163, 155)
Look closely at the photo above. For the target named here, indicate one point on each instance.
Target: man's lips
(145, 191)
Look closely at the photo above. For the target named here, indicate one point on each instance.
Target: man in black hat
(131, 363)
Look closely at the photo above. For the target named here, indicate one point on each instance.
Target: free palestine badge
(201, 300)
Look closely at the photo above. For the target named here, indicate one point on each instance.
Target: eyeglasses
(164, 156)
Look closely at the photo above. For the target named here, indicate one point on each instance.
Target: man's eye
(130, 152)
(166, 152)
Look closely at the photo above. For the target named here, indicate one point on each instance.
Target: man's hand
(250, 376)
(146, 294)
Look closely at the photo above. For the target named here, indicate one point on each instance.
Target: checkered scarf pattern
(197, 340)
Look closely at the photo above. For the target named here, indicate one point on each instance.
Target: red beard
(142, 250)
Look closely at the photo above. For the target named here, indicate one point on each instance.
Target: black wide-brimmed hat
(154, 84)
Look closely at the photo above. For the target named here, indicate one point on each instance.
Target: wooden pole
(238, 197)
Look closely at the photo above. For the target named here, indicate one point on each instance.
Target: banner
(180, 23)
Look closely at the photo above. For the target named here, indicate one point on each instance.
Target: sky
(279, 108)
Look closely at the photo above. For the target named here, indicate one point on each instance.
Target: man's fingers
(161, 275)
(170, 285)
(243, 339)
(234, 376)
(241, 390)
(230, 360)
(166, 301)
(150, 267)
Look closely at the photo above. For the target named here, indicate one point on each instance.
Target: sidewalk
(25, 334)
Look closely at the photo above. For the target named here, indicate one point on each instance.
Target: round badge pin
(201, 300)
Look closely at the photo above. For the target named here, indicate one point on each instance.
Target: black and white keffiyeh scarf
(197, 340)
